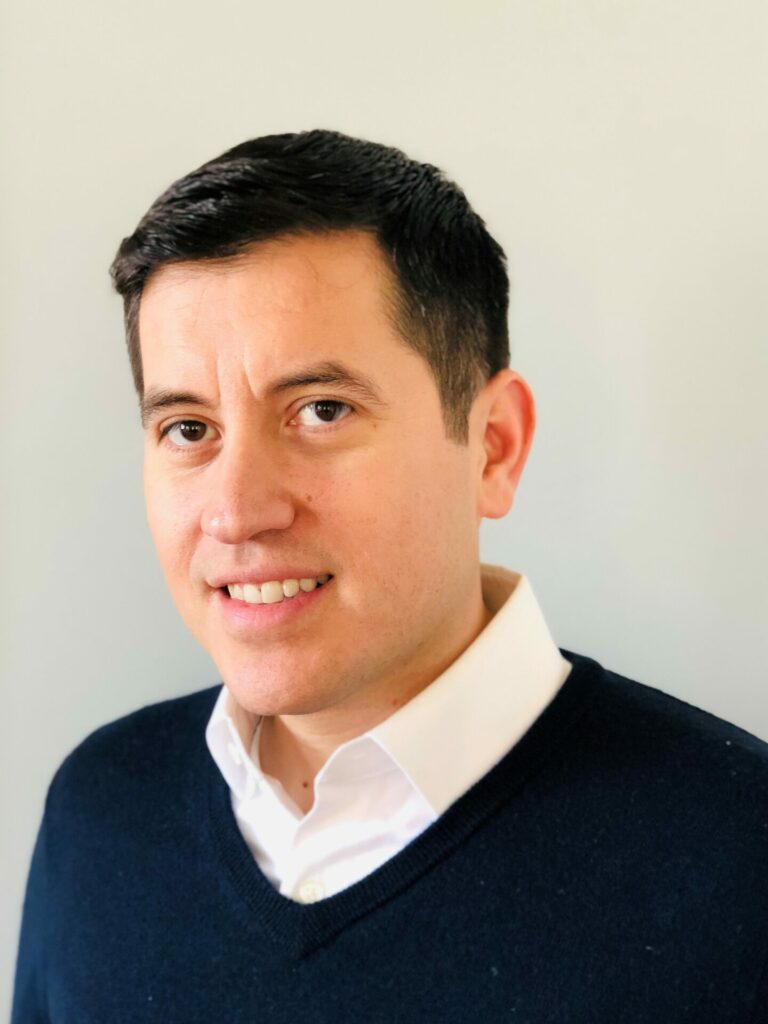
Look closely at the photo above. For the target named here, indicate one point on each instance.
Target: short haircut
(450, 290)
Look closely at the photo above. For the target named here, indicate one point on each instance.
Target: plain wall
(617, 150)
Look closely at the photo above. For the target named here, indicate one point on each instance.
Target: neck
(293, 748)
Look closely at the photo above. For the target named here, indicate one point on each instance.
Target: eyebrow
(327, 372)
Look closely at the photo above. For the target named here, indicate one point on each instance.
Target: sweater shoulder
(692, 726)
(652, 713)
(153, 744)
(688, 758)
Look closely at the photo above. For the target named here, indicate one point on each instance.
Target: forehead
(329, 276)
(280, 306)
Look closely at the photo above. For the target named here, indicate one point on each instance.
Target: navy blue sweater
(611, 868)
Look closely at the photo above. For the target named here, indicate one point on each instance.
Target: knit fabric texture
(611, 868)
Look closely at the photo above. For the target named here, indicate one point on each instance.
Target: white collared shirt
(380, 790)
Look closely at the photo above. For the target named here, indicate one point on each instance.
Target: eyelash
(318, 401)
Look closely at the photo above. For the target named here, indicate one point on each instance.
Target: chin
(278, 704)
(269, 697)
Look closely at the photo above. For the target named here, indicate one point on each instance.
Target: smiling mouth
(274, 592)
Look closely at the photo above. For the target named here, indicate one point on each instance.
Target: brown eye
(325, 410)
(186, 432)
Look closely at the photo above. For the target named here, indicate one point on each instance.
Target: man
(404, 803)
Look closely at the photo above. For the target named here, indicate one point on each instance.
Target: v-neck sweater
(612, 866)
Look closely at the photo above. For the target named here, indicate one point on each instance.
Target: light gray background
(619, 152)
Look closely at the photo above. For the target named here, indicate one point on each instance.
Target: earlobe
(509, 426)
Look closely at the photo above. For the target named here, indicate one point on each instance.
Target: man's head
(297, 426)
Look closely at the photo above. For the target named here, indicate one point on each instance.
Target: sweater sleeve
(29, 999)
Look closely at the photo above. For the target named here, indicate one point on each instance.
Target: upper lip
(259, 576)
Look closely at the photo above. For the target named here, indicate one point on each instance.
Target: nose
(245, 494)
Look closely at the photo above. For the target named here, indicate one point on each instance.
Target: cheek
(402, 516)
(171, 518)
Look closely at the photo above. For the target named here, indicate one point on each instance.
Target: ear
(505, 421)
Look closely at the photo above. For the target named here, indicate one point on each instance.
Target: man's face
(246, 482)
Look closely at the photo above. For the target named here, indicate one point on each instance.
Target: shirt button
(311, 890)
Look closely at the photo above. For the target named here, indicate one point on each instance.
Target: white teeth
(275, 590)
(272, 592)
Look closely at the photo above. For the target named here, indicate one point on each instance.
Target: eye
(325, 410)
(184, 433)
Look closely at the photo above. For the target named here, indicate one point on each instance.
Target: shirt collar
(452, 732)
(228, 735)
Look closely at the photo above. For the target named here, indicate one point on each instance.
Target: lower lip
(257, 616)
